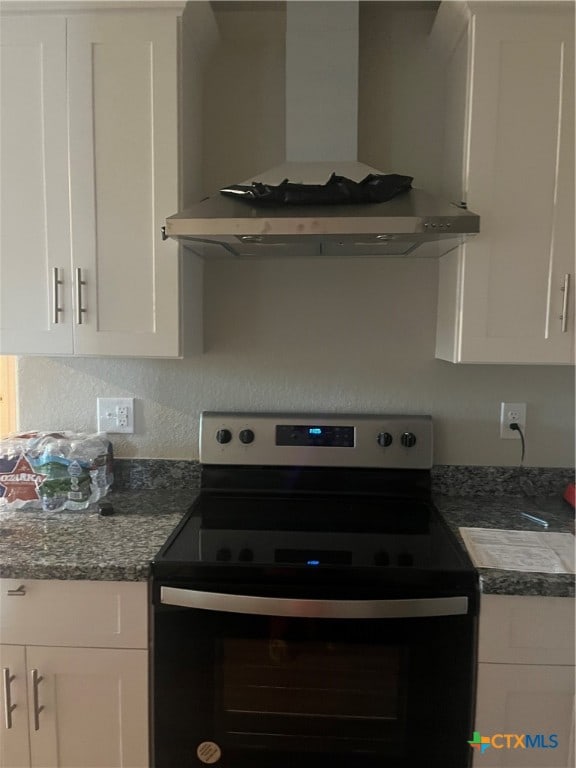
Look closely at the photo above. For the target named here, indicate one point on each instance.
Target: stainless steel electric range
(312, 608)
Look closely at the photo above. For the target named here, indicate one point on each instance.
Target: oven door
(260, 680)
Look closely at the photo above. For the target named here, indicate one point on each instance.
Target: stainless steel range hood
(321, 124)
(411, 223)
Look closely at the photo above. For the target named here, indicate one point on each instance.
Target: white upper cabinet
(34, 192)
(506, 296)
(122, 90)
(90, 170)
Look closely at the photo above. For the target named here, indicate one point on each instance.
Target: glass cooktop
(314, 531)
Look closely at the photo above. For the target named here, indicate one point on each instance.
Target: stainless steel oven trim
(314, 609)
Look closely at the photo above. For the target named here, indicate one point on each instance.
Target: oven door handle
(314, 609)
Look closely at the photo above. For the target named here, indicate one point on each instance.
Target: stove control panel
(308, 548)
(316, 440)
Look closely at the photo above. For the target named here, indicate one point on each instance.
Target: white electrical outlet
(122, 415)
(512, 413)
(115, 414)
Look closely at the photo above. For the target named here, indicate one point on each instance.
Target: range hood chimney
(322, 40)
(322, 82)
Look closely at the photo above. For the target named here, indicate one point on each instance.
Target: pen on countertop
(538, 520)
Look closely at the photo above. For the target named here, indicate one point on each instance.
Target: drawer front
(106, 614)
(526, 630)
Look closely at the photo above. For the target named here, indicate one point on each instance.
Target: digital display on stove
(314, 435)
(313, 557)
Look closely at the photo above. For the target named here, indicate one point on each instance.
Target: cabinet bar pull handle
(36, 680)
(18, 592)
(8, 706)
(56, 308)
(80, 310)
(566, 290)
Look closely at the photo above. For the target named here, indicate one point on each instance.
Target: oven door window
(260, 691)
(302, 685)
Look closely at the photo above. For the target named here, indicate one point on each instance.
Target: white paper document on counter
(520, 550)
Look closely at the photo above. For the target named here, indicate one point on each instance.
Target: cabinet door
(526, 699)
(123, 86)
(501, 295)
(14, 750)
(88, 707)
(34, 195)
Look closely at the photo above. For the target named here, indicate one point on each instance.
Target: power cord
(540, 521)
(516, 427)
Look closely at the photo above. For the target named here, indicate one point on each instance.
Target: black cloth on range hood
(338, 190)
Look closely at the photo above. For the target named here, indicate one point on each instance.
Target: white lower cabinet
(526, 699)
(526, 682)
(74, 707)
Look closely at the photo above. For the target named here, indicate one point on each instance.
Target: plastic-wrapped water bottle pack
(54, 471)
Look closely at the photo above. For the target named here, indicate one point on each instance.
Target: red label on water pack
(21, 482)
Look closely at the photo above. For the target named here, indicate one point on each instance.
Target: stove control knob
(381, 558)
(246, 555)
(223, 555)
(223, 436)
(384, 439)
(246, 436)
(408, 439)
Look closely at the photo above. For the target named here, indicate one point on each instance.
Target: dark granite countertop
(504, 512)
(86, 545)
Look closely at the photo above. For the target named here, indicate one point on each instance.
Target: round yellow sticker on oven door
(209, 752)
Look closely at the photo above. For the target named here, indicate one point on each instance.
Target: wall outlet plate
(115, 414)
(512, 413)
